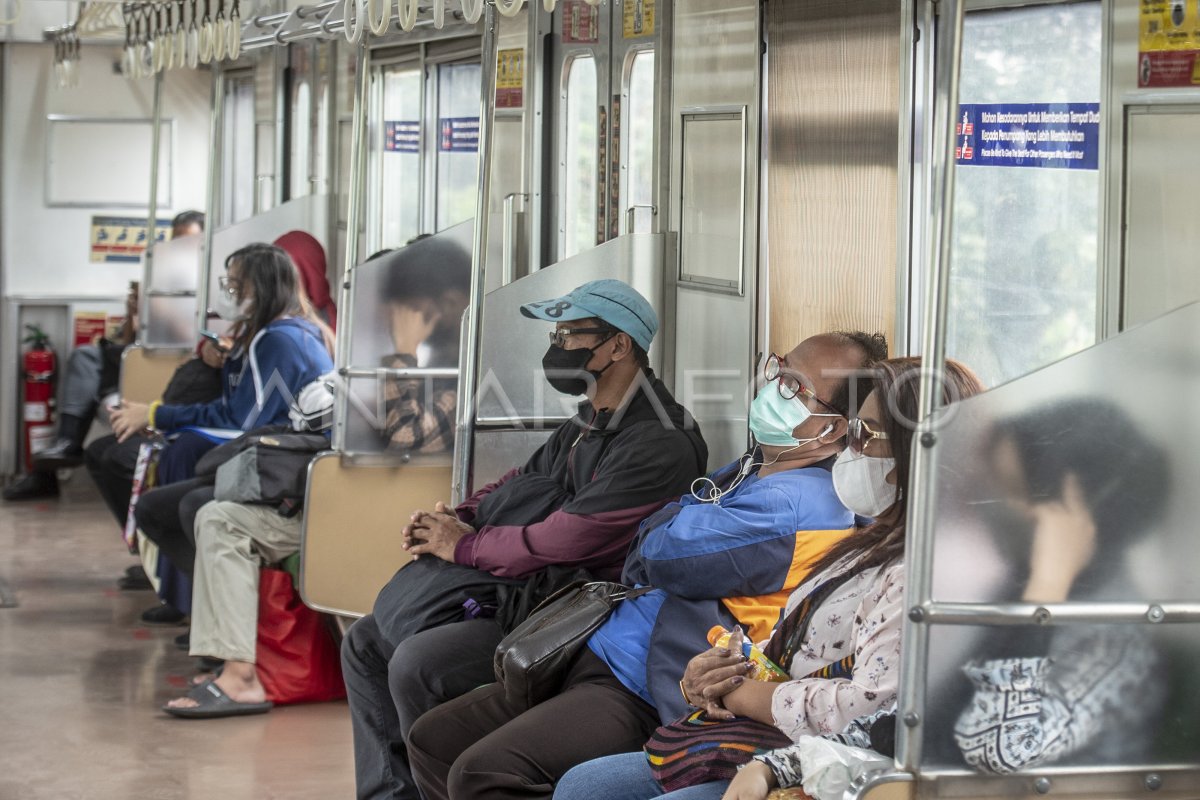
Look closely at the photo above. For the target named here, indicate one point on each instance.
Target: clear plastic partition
(512, 388)
(172, 275)
(309, 214)
(408, 307)
(1065, 529)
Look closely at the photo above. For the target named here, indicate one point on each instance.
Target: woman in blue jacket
(278, 346)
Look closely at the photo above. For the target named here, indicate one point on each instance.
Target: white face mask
(228, 308)
(861, 483)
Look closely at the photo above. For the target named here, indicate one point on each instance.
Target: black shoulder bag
(532, 661)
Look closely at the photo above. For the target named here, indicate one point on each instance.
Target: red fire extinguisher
(38, 367)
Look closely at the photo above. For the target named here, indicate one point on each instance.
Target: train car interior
(874, 336)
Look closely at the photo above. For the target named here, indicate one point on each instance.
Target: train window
(237, 156)
(300, 125)
(712, 196)
(457, 142)
(639, 120)
(581, 162)
(1025, 248)
(320, 169)
(399, 153)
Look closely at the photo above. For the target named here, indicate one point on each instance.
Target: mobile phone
(212, 337)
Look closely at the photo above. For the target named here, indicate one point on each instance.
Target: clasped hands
(435, 533)
(714, 674)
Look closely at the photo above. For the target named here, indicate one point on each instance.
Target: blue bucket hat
(613, 301)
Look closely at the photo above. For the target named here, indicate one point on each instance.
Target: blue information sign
(458, 134)
(402, 136)
(1053, 135)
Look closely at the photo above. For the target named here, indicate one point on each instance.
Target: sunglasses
(790, 386)
(860, 435)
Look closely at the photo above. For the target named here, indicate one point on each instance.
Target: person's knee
(474, 773)
(409, 672)
(358, 645)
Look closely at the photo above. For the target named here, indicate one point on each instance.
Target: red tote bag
(298, 660)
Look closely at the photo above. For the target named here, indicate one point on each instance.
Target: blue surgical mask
(773, 418)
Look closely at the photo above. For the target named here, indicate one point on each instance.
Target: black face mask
(565, 369)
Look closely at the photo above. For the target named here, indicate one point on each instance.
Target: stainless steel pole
(469, 368)
(216, 133)
(354, 215)
(923, 491)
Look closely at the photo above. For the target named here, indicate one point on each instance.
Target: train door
(423, 141)
(604, 103)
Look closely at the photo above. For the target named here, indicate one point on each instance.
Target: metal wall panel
(1161, 236)
(833, 110)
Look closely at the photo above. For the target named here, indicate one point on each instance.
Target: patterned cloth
(1034, 710)
(861, 618)
(418, 416)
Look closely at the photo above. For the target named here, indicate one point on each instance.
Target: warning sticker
(1168, 43)
(638, 18)
(123, 239)
(1053, 135)
(510, 78)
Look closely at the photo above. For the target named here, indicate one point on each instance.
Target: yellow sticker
(510, 78)
(638, 18)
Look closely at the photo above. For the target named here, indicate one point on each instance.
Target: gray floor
(81, 680)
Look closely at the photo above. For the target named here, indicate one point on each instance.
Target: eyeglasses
(860, 435)
(228, 285)
(558, 337)
(790, 386)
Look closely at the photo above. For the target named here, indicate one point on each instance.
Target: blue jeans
(626, 777)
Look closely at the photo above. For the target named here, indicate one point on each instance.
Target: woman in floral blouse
(839, 638)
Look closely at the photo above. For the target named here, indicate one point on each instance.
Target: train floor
(82, 679)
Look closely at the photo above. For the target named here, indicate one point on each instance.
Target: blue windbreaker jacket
(735, 562)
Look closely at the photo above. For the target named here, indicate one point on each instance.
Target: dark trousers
(167, 516)
(111, 466)
(484, 746)
(390, 684)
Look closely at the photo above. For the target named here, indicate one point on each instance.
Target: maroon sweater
(595, 480)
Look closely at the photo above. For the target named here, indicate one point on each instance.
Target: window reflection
(639, 130)
(581, 158)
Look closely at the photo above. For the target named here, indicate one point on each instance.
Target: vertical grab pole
(354, 215)
(216, 134)
(143, 311)
(469, 368)
(923, 491)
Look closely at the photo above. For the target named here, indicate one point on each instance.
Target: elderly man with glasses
(573, 507)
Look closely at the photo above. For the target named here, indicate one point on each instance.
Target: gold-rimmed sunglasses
(860, 435)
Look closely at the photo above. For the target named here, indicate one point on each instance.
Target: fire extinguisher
(38, 368)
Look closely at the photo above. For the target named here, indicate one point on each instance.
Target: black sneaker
(184, 641)
(134, 583)
(163, 614)
(34, 486)
(65, 454)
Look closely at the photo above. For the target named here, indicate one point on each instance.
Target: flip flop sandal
(212, 703)
(205, 677)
